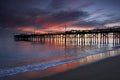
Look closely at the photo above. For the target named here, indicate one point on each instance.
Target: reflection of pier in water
(96, 36)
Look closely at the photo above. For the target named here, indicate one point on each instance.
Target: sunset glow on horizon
(41, 16)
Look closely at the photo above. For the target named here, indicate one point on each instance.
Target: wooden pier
(95, 36)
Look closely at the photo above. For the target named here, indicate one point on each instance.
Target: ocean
(23, 56)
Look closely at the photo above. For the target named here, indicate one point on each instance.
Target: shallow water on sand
(20, 56)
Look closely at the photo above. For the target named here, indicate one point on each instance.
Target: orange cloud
(52, 27)
(30, 30)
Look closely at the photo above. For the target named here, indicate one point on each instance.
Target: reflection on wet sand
(63, 67)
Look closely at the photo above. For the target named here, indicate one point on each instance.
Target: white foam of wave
(45, 65)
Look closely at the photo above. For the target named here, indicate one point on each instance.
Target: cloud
(64, 16)
(51, 15)
(27, 13)
(97, 11)
(59, 4)
(16, 18)
(88, 24)
(112, 24)
(56, 4)
(40, 18)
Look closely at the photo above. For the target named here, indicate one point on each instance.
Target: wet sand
(106, 69)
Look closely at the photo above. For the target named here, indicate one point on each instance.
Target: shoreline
(102, 69)
(79, 60)
(106, 69)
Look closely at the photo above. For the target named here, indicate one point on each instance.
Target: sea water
(23, 56)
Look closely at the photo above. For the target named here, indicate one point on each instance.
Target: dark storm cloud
(97, 24)
(64, 16)
(22, 4)
(88, 23)
(33, 16)
(58, 4)
(112, 19)
(17, 13)
(41, 13)
(97, 11)
(13, 19)
(37, 12)
(113, 4)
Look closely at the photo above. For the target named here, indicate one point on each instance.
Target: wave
(45, 65)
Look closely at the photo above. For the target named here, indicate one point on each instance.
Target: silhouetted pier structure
(94, 36)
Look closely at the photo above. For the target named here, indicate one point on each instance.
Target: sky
(41, 16)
